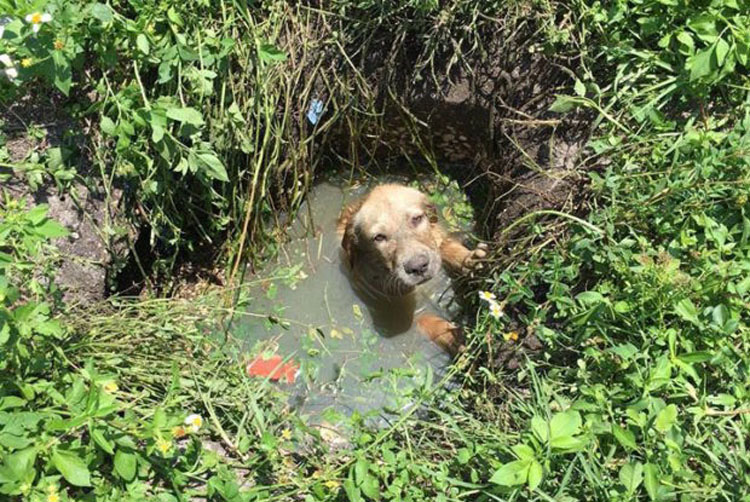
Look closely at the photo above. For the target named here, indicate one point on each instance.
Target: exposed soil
(81, 206)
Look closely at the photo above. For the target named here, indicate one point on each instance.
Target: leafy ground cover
(640, 390)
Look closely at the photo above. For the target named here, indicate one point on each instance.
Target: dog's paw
(474, 260)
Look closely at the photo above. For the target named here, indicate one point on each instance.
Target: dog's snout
(417, 265)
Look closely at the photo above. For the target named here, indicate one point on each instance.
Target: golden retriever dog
(392, 243)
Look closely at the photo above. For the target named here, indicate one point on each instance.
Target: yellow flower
(495, 310)
(511, 335)
(331, 484)
(111, 387)
(487, 296)
(163, 445)
(36, 19)
(194, 422)
(58, 44)
(26, 62)
(179, 431)
(53, 497)
(286, 434)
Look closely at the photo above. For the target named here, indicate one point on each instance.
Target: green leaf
(270, 54)
(565, 423)
(535, 475)
(125, 465)
(102, 441)
(695, 357)
(142, 42)
(51, 229)
(8, 402)
(540, 427)
(590, 297)
(37, 214)
(631, 476)
(73, 469)
(579, 88)
(107, 126)
(523, 451)
(213, 166)
(702, 64)
(101, 12)
(722, 49)
(687, 42)
(63, 77)
(564, 104)
(569, 443)
(651, 480)
(20, 462)
(686, 309)
(624, 436)
(512, 474)
(175, 17)
(704, 25)
(186, 115)
(666, 418)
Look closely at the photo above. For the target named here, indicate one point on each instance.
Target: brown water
(305, 309)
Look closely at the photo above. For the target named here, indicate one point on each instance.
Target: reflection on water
(311, 314)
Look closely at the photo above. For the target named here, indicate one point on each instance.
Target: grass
(639, 297)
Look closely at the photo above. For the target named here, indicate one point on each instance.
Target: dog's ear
(348, 242)
(431, 211)
(346, 228)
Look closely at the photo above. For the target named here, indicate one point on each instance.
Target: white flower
(487, 296)
(11, 73)
(6, 60)
(3, 21)
(36, 19)
(495, 310)
(194, 422)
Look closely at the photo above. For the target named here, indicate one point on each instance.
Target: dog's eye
(416, 220)
(380, 238)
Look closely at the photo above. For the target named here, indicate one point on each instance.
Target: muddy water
(305, 309)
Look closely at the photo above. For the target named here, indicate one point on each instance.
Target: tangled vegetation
(195, 113)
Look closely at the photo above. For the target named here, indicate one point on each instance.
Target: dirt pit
(304, 311)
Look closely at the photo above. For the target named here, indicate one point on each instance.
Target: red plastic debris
(273, 368)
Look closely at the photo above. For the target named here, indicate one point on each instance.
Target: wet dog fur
(392, 243)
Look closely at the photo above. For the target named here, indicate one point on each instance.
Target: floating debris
(274, 368)
(315, 111)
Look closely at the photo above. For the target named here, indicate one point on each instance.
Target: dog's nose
(417, 265)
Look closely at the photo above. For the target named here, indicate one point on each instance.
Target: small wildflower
(331, 484)
(58, 44)
(111, 387)
(179, 432)
(53, 497)
(163, 446)
(36, 19)
(194, 422)
(511, 336)
(286, 434)
(26, 62)
(496, 311)
(487, 296)
(3, 22)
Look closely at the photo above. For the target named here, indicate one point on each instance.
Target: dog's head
(389, 239)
